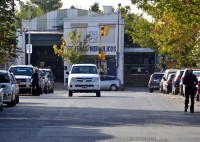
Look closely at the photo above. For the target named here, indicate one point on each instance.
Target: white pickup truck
(84, 78)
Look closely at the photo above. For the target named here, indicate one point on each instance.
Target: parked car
(176, 81)
(23, 75)
(1, 99)
(167, 86)
(109, 82)
(9, 88)
(164, 78)
(197, 96)
(16, 83)
(181, 85)
(50, 78)
(154, 81)
(42, 81)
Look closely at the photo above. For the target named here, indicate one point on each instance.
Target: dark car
(154, 81)
(176, 82)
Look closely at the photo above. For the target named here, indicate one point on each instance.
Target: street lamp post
(117, 53)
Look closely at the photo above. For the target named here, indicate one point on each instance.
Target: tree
(8, 49)
(175, 29)
(75, 51)
(35, 11)
(48, 5)
(95, 8)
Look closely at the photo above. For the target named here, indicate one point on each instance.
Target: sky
(85, 4)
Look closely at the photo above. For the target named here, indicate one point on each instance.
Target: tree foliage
(73, 52)
(8, 49)
(174, 30)
(48, 5)
(35, 11)
(95, 8)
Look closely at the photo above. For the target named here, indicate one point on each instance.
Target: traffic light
(100, 54)
(102, 32)
(107, 30)
(103, 56)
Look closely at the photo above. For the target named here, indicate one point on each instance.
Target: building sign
(103, 48)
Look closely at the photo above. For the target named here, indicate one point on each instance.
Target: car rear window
(21, 70)
(197, 73)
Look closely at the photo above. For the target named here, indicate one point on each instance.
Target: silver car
(110, 83)
(9, 88)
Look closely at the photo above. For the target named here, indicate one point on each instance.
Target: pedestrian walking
(190, 81)
(35, 83)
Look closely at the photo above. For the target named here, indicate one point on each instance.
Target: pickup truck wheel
(70, 93)
(98, 93)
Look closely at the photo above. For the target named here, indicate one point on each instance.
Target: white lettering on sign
(103, 48)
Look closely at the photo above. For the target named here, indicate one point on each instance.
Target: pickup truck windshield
(21, 71)
(84, 69)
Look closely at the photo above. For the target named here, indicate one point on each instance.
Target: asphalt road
(133, 115)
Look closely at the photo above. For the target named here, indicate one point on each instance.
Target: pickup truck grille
(84, 85)
(84, 79)
(21, 80)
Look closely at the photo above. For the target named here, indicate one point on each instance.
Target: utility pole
(117, 53)
(29, 34)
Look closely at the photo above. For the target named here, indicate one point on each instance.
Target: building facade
(112, 44)
(44, 31)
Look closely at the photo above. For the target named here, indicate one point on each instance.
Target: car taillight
(178, 79)
(169, 81)
(199, 84)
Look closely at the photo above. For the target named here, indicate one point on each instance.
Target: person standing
(190, 81)
(35, 83)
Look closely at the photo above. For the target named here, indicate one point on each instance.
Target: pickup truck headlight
(29, 80)
(96, 79)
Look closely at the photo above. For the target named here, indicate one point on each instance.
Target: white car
(1, 99)
(9, 88)
(109, 82)
(84, 78)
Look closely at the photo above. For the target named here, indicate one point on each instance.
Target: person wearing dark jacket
(35, 83)
(190, 81)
